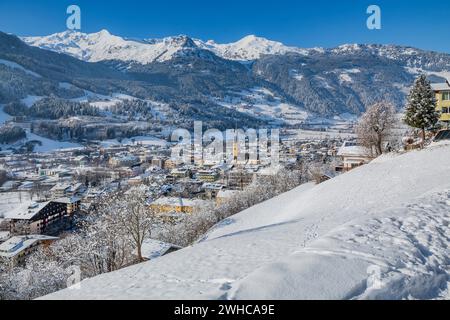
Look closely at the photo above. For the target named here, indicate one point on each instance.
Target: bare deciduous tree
(374, 127)
(128, 213)
(133, 214)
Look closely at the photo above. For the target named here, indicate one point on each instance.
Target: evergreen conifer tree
(421, 110)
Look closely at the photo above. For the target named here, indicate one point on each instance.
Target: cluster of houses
(44, 191)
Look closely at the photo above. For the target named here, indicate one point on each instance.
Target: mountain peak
(252, 47)
(250, 37)
(182, 41)
(253, 37)
(104, 32)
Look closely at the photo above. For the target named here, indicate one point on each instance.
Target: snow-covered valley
(380, 231)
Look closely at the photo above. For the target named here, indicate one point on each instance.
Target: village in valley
(42, 194)
(130, 169)
(47, 197)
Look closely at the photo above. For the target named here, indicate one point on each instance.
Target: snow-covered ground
(30, 100)
(142, 140)
(300, 134)
(102, 101)
(46, 145)
(49, 145)
(265, 104)
(380, 231)
(417, 71)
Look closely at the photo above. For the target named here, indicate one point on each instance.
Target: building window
(446, 96)
(445, 110)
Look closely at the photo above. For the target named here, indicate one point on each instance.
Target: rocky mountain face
(200, 78)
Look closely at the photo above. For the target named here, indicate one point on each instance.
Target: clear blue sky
(420, 23)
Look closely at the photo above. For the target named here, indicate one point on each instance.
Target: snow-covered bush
(39, 277)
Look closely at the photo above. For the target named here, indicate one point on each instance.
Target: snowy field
(49, 145)
(139, 140)
(30, 100)
(378, 232)
(265, 104)
(46, 145)
(300, 134)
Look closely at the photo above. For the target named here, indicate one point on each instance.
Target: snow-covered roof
(440, 86)
(67, 200)
(76, 187)
(60, 187)
(16, 245)
(14, 205)
(213, 186)
(353, 149)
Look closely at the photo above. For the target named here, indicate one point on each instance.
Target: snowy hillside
(379, 231)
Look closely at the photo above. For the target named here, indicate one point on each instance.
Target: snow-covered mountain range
(103, 45)
(220, 80)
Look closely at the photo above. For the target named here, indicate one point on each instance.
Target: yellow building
(442, 91)
(176, 205)
(207, 175)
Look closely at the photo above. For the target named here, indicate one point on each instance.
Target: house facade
(442, 91)
(176, 205)
(353, 155)
(42, 217)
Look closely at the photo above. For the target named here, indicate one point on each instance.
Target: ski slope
(380, 231)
